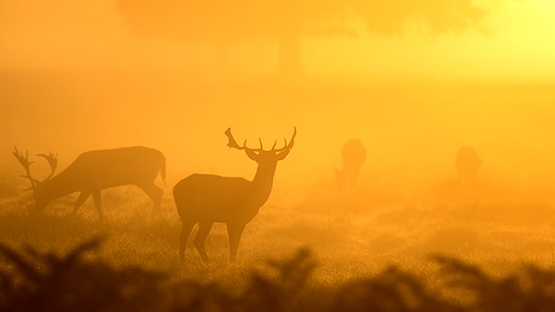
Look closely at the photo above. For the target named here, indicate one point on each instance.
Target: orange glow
(75, 76)
(383, 95)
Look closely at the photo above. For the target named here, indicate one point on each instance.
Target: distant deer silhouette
(206, 198)
(353, 155)
(467, 163)
(94, 171)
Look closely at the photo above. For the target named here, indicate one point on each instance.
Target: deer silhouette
(353, 155)
(467, 163)
(206, 198)
(94, 171)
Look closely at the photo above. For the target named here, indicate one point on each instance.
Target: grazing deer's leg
(234, 231)
(203, 230)
(187, 226)
(80, 200)
(155, 193)
(98, 203)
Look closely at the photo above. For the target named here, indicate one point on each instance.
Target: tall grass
(441, 248)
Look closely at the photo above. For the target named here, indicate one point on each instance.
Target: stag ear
(282, 155)
(252, 154)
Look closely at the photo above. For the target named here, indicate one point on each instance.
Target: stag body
(94, 171)
(206, 199)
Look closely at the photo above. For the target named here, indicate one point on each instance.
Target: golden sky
(411, 131)
(517, 43)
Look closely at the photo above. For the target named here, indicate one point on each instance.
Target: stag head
(52, 160)
(259, 154)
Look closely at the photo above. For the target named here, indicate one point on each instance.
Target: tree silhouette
(222, 23)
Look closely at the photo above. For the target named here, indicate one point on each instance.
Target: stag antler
(24, 161)
(233, 143)
(52, 160)
(286, 146)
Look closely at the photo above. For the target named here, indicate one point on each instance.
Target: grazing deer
(94, 171)
(467, 162)
(353, 155)
(206, 198)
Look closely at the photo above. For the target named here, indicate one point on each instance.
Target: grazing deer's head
(36, 185)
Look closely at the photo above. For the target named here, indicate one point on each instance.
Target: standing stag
(467, 162)
(353, 155)
(206, 198)
(94, 171)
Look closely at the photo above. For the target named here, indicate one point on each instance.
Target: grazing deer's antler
(52, 160)
(24, 161)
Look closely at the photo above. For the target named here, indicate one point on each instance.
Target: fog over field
(411, 130)
(412, 82)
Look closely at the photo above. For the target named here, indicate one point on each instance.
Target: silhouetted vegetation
(36, 281)
(31, 280)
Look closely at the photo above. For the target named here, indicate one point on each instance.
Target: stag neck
(262, 184)
(265, 174)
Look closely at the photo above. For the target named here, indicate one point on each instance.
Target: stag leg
(203, 230)
(155, 193)
(80, 200)
(234, 231)
(187, 226)
(98, 203)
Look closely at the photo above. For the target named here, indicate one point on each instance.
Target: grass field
(408, 238)
(349, 235)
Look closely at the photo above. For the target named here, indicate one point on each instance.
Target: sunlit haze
(515, 43)
(76, 78)
(368, 133)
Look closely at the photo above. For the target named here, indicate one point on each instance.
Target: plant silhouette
(36, 281)
(31, 280)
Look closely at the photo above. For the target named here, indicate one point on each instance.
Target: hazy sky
(410, 131)
(516, 43)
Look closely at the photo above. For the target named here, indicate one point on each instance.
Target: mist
(76, 77)
(411, 130)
